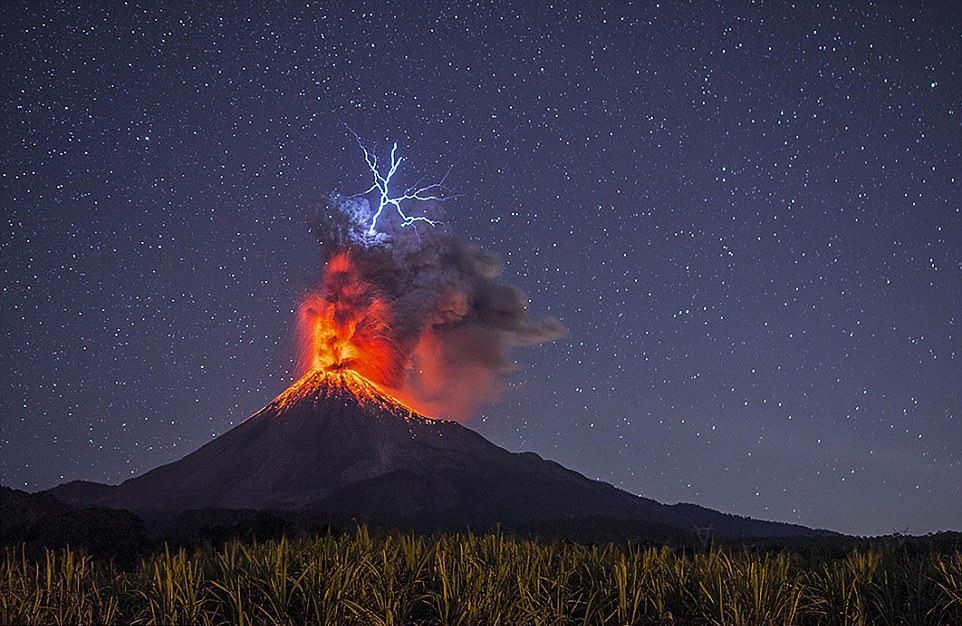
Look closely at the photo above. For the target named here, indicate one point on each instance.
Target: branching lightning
(433, 192)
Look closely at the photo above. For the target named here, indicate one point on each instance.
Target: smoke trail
(446, 338)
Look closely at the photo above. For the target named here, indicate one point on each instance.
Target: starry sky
(746, 214)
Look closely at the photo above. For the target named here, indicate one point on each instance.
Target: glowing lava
(319, 385)
(345, 328)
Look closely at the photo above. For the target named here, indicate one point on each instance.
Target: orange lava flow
(333, 384)
(346, 327)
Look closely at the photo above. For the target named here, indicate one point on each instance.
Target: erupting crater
(349, 337)
(338, 383)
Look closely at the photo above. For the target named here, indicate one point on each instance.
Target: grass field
(354, 578)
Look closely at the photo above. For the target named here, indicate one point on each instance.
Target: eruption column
(423, 316)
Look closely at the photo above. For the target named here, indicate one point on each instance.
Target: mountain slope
(334, 444)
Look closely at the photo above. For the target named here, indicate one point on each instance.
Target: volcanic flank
(333, 444)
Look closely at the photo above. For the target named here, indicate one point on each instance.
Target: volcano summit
(333, 444)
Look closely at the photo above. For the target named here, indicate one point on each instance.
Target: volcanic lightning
(422, 318)
(382, 184)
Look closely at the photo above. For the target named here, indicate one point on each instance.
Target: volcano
(334, 444)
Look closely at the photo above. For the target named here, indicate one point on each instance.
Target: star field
(748, 217)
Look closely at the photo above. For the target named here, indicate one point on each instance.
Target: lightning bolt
(382, 182)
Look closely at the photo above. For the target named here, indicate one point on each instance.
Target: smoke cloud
(451, 323)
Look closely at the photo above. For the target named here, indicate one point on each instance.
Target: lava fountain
(346, 328)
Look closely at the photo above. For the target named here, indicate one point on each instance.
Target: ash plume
(451, 323)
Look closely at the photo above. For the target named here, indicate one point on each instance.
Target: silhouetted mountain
(334, 445)
(39, 521)
(20, 510)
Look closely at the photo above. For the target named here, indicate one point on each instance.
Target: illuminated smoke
(416, 309)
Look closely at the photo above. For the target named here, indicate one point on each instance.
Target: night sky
(747, 216)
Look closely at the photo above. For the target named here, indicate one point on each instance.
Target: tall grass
(489, 580)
